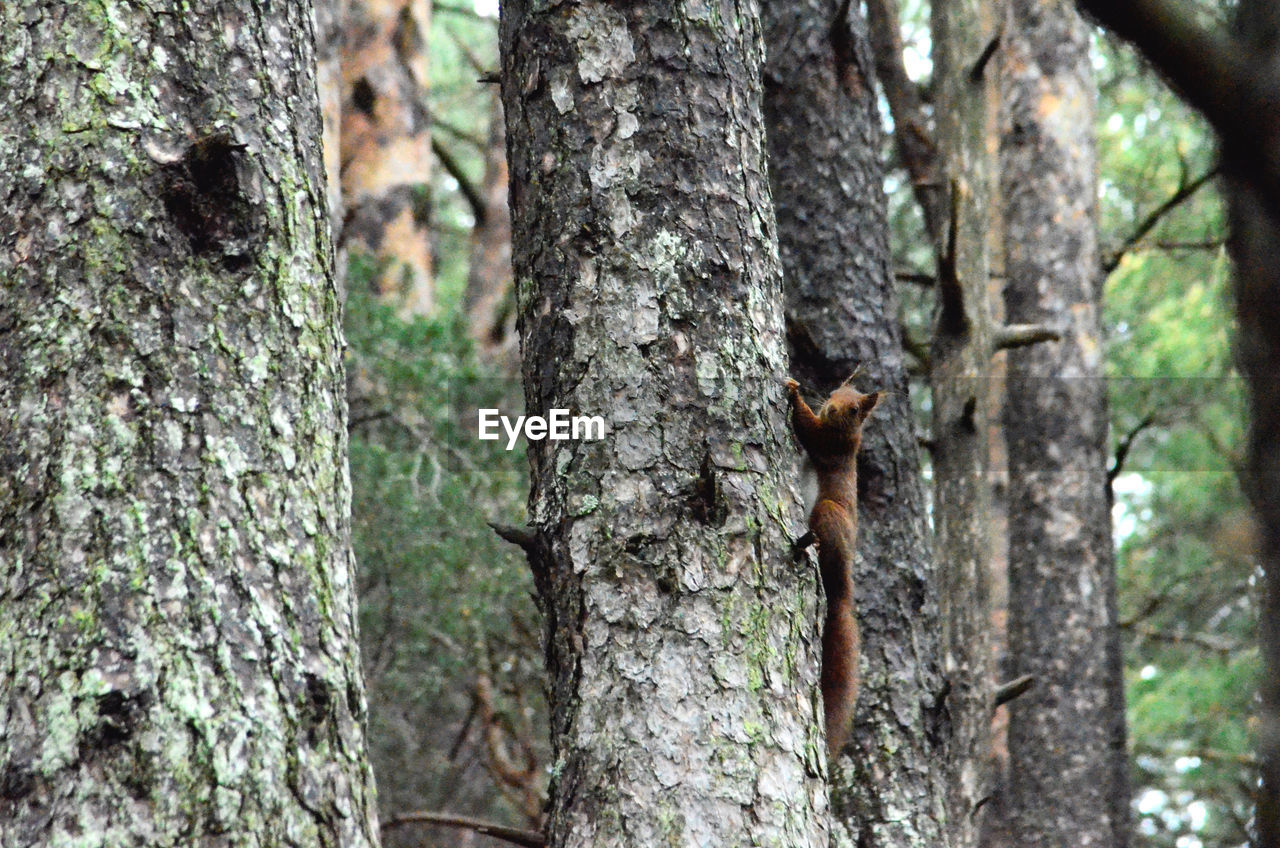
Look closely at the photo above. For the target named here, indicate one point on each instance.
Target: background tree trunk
(386, 146)
(1254, 206)
(842, 314)
(963, 343)
(1068, 768)
(176, 611)
(682, 638)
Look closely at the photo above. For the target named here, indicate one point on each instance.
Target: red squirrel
(831, 438)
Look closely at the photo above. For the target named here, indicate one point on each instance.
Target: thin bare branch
(1208, 244)
(525, 538)
(1221, 647)
(527, 838)
(1006, 692)
(1184, 192)
(1221, 77)
(1021, 335)
(1123, 447)
(457, 9)
(920, 279)
(911, 135)
(476, 140)
(916, 348)
(468, 188)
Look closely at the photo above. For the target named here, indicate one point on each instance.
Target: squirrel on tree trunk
(831, 438)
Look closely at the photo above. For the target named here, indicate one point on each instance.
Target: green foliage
(444, 604)
(442, 598)
(1184, 533)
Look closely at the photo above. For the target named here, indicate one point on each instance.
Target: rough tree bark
(385, 144)
(681, 636)
(1234, 80)
(842, 314)
(965, 66)
(176, 609)
(1067, 783)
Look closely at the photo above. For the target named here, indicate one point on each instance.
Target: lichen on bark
(176, 601)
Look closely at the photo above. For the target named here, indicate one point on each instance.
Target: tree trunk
(964, 340)
(1068, 769)
(176, 611)
(1255, 243)
(1254, 208)
(386, 146)
(682, 638)
(828, 186)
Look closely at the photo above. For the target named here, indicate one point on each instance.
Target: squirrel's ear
(869, 402)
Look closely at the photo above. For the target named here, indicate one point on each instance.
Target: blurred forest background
(449, 632)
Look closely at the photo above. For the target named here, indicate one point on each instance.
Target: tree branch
(1184, 192)
(979, 69)
(1021, 335)
(468, 189)
(1209, 244)
(1201, 65)
(527, 838)
(1006, 692)
(911, 136)
(952, 319)
(916, 348)
(465, 11)
(523, 537)
(917, 277)
(473, 60)
(1154, 602)
(456, 748)
(1222, 78)
(438, 123)
(1219, 646)
(1122, 450)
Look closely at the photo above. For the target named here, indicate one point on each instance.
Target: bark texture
(176, 609)
(842, 314)
(682, 638)
(1068, 767)
(386, 146)
(964, 69)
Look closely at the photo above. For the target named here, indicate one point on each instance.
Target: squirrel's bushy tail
(836, 530)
